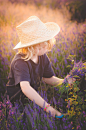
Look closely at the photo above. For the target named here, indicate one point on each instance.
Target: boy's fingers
(74, 79)
(70, 81)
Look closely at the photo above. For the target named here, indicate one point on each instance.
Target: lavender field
(68, 56)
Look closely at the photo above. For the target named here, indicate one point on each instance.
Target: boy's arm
(53, 80)
(57, 81)
(32, 94)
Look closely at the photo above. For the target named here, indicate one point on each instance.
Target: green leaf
(75, 68)
(74, 94)
(80, 93)
(83, 106)
(71, 93)
(79, 99)
(76, 89)
(75, 102)
(80, 102)
(68, 66)
(76, 76)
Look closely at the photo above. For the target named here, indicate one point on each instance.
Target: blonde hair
(30, 51)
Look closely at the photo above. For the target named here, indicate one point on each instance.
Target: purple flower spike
(78, 70)
(54, 101)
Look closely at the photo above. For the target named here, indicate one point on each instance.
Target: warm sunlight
(67, 58)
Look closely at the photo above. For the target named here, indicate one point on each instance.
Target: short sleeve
(48, 71)
(21, 71)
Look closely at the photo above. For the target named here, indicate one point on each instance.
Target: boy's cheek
(36, 50)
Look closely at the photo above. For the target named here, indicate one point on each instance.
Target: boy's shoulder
(17, 59)
(44, 56)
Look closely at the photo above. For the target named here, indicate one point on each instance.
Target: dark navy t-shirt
(21, 70)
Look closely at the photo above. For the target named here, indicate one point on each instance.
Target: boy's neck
(35, 59)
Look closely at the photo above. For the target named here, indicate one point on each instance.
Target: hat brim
(52, 30)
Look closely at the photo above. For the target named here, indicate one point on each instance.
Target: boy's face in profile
(41, 48)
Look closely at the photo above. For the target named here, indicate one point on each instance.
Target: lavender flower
(54, 101)
(77, 72)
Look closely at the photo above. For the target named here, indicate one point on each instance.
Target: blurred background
(70, 15)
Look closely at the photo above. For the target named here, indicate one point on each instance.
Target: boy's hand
(70, 80)
(53, 111)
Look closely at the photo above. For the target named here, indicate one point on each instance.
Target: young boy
(31, 64)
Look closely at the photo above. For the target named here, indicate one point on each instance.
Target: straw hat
(33, 31)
